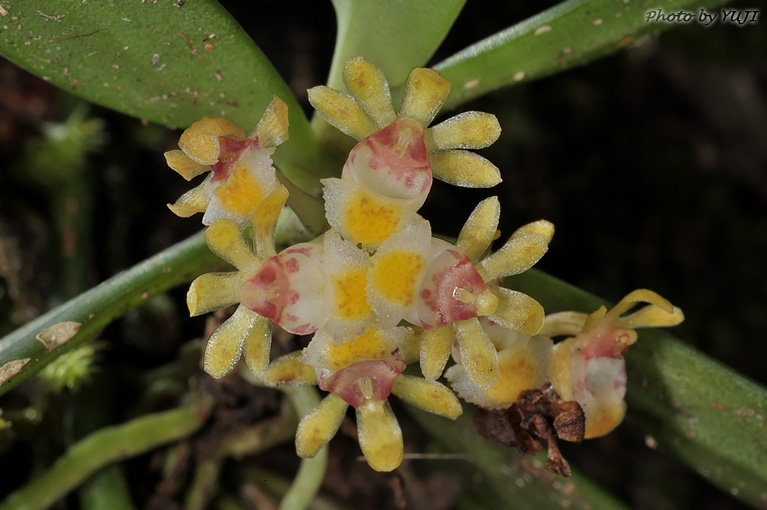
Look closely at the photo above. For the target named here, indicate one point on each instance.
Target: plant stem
(104, 447)
(98, 307)
(312, 471)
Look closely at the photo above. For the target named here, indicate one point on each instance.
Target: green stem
(251, 441)
(104, 447)
(98, 307)
(312, 471)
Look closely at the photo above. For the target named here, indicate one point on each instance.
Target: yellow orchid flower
(477, 292)
(241, 170)
(368, 109)
(589, 367)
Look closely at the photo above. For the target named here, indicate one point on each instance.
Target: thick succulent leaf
(564, 36)
(167, 62)
(698, 410)
(397, 35)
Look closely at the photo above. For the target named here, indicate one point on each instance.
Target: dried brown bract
(537, 416)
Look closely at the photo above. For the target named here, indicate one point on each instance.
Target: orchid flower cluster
(378, 291)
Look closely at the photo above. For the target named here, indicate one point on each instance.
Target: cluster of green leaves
(172, 62)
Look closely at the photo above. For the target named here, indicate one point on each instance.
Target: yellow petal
(289, 370)
(518, 311)
(516, 256)
(224, 238)
(257, 344)
(480, 229)
(541, 227)
(468, 130)
(410, 348)
(659, 312)
(190, 202)
(561, 379)
(264, 220)
(430, 396)
(341, 111)
(425, 92)
(380, 436)
(272, 129)
(212, 291)
(563, 324)
(478, 355)
(602, 420)
(319, 426)
(184, 165)
(436, 345)
(200, 140)
(224, 346)
(368, 85)
(650, 317)
(463, 168)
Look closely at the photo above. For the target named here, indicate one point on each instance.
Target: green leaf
(698, 410)
(83, 317)
(504, 475)
(570, 34)
(396, 35)
(169, 62)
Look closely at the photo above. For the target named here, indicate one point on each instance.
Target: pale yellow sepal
(225, 345)
(602, 420)
(411, 348)
(480, 229)
(561, 369)
(478, 355)
(436, 345)
(541, 227)
(425, 93)
(200, 140)
(430, 396)
(184, 165)
(380, 435)
(257, 345)
(272, 129)
(368, 85)
(516, 256)
(464, 168)
(264, 220)
(518, 311)
(468, 130)
(191, 202)
(212, 291)
(341, 111)
(289, 370)
(659, 312)
(224, 238)
(563, 324)
(319, 426)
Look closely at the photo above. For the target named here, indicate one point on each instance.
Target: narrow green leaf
(701, 412)
(504, 475)
(169, 62)
(396, 35)
(96, 308)
(567, 35)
